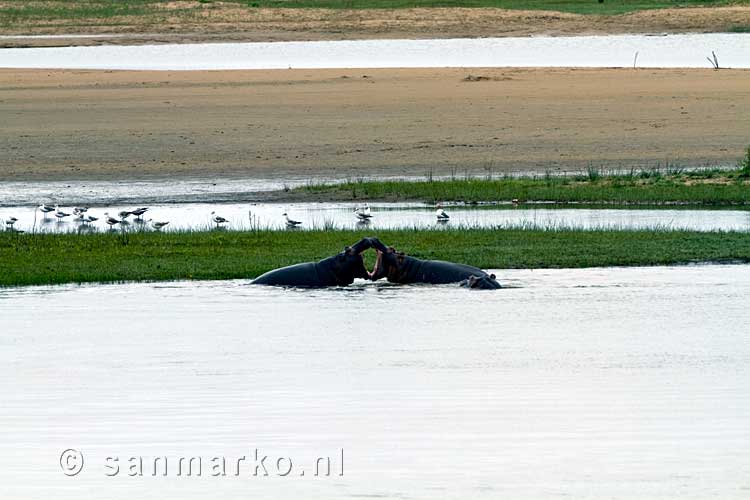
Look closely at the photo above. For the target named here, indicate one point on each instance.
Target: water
(672, 51)
(92, 192)
(594, 383)
(393, 215)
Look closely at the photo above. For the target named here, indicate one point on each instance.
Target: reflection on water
(672, 51)
(388, 215)
(617, 383)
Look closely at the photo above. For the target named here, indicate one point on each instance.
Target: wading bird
(138, 212)
(46, 209)
(60, 214)
(10, 222)
(291, 223)
(110, 220)
(157, 225)
(363, 214)
(218, 219)
(441, 215)
(88, 219)
(124, 214)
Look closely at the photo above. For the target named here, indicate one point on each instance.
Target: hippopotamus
(338, 270)
(398, 267)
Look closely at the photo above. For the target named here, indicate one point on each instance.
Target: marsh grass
(744, 165)
(35, 259)
(671, 184)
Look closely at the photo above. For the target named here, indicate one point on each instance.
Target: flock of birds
(80, 214)
(363, 214)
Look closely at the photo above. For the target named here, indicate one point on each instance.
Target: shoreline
(223, 23)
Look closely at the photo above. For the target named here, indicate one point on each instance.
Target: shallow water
(78, 192)
(594, 383)
(244, 216)
(672, 51)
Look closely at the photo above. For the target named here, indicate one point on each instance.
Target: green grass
(20, 13)
(35, 259)
(673, 185)
(573, 6)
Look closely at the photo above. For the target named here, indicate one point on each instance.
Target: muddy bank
(336, 123)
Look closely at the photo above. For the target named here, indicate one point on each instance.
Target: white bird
(290, 222)
(441, 215)
(10, 222)
(60, 214)
(157, 225)
(218, 219)
(124, 214)
(79, 211)
(363, 214)
(87, 219)
(138, 212)
(46, 209)
(110, 220)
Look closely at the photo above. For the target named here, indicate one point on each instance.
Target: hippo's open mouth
(377, 268)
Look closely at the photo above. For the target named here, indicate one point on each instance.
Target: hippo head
(348, 265)
(486, 282)
(389, 264)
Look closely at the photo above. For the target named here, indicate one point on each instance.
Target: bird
(157, 225)
(124, 214)
(110, 220)
(441, 215)
(138, 212)
(46, 209)
(218, 219)
(363, 214)
(60, 214)
(10, 222)
(79, 211)
(291, 223)
(514, 201)
(87, 219)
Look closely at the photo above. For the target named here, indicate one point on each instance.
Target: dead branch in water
(715, 61)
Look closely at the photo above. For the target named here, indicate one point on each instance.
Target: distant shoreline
(193, 22)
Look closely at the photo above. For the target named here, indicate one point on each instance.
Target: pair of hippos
(397, 267)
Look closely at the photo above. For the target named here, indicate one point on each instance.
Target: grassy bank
(20, 14)
(34, 259)
(704, 187)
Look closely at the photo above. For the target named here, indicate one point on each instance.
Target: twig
(715, 61)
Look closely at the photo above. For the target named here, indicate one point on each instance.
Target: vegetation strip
(118, 12)
(37, 259)
(703, 187)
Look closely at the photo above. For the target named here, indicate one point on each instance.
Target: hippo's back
(439, 272)
(302, 275)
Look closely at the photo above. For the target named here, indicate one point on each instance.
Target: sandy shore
(308, 123)
(193, 22)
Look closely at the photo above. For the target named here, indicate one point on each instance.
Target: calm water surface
(595, 383)
(672, 51)
(391, 215)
